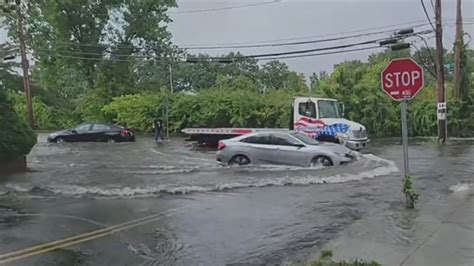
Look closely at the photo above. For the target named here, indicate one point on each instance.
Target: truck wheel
(239, 160)
(321, 161)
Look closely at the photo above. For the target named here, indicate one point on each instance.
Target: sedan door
(100, 133)
(81, 133)
(260, 149)
(290, 151)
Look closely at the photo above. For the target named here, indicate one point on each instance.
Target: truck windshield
(328, 109)
(305, 139)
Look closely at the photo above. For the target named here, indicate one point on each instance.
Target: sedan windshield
(305, 139)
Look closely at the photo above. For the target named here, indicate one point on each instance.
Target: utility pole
(167, 102)
(24, 65)
(458, 45)
(442, 129)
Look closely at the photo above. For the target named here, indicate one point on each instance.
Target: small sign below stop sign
(402, 79)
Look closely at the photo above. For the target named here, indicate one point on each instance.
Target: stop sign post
(402, 80)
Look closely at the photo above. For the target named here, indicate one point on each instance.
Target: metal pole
(404, 137)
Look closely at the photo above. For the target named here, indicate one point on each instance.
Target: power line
(326, 48)
(255, 46)
(319, 54)
(426, 14)
(291, 43)
(271, 56)
(393, 27)
(224, 8)
(248, 56)
(262, 59)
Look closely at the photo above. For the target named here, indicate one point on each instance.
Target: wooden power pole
(24, 65)
(457, 52)
(442, 129)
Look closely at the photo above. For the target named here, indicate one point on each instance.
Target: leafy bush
(46, 117)
(136, 111)
(16, 136)
(210, 108)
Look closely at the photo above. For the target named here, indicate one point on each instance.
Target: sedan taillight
(220, 146)
(125, 133)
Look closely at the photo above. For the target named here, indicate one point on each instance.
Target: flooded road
(212, 215)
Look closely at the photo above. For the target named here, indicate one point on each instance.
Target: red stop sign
(402, 79)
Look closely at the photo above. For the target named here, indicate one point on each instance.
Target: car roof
(261, 133)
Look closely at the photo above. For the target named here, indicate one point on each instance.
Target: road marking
(43, 248)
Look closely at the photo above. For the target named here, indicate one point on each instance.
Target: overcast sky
(296, 18)
(287, 19)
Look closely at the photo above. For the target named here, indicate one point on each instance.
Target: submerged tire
(239, 160)
(321, 161)
(60, 140)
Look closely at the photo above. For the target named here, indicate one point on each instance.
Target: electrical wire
(277, 54)
(426, 14)
(319, 54)
(223, 8)
(426, 67)
(244, 56)
(329, 47)
(276, 42)
(393, 27)
(263, 45)
(262, 59)
(290, 43)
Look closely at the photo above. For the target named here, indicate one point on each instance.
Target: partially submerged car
(290, 148)
(93, 132)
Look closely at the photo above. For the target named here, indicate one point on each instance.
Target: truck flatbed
(210, 136)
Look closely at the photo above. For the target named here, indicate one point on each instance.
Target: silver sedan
(290, 148)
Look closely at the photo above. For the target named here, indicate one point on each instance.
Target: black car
(93, 132)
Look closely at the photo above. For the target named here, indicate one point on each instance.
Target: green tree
(16, 136)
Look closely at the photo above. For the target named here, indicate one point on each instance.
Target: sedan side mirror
(73, 131)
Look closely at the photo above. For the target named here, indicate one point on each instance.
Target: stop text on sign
(402, 79)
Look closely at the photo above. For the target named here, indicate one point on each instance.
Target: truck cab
(322, 119)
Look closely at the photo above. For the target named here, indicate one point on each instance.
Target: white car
(290, 148)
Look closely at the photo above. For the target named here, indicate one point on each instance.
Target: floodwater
(213, 215)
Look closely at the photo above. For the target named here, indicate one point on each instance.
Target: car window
(83, 128)
(307, 109)
(305, 139)
(100, 127)
(284, 140)
(258, 139)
